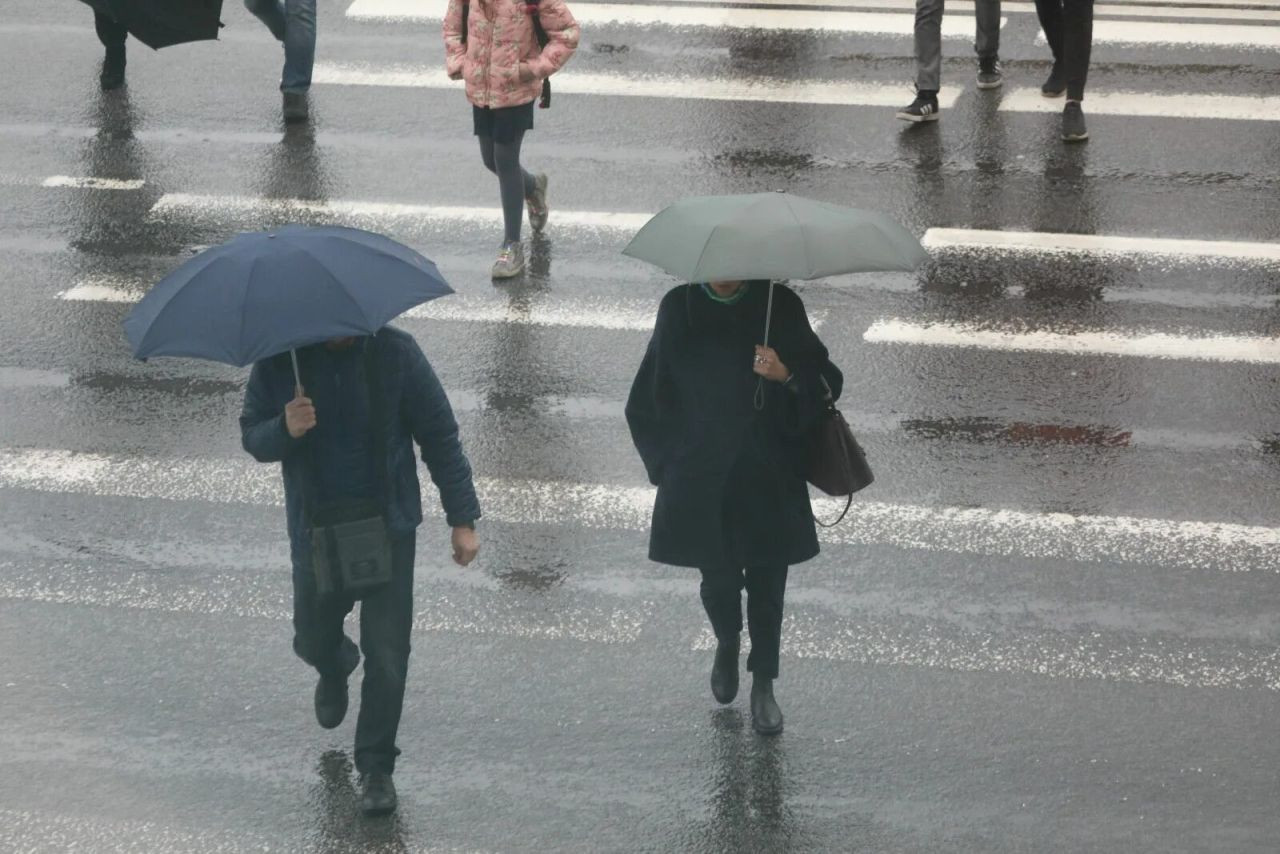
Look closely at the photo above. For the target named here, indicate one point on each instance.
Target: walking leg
(386, 621)
(721, 593)
(112, 34)
(299, 45)
(928, 45)
(318, 638)
(269, 12)
(486, 153)
(1050, 14)
(766, 587)
(515, 185)
(1077, 45)
(987, 21)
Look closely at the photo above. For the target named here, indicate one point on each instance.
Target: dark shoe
(990, 75)
(295, 107)
(1073, 129)
(724, 673)
(923, 109)
(331, 701)
(379, 797)
(1056, 85)
(112, 76)
(766, 717)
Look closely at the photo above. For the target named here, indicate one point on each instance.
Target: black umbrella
(160, 23)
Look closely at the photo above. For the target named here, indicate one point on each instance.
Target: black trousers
(386, 620)
(1068, 27)
(722, 597)
(110, 33)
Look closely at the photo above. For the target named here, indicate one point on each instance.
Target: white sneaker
(510, 261)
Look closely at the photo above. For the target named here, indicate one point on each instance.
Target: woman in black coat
(732, 499)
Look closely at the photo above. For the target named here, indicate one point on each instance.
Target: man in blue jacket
(325, 442)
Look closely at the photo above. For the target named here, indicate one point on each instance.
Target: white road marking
(93, 183)
(22, 378)
(191, 202)
(1157, 345)
(611, 314)
(618, 314)
(572, 82)
(1257, 108)
(1044, 242)
(733, 17)
(1238, 36)
(984, 531)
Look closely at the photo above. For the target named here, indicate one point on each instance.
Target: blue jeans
(294, 23)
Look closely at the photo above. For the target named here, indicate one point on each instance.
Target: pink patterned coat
(500, 37)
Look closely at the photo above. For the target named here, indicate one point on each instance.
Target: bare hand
(769, 366)
(299, 416)
(526, 73)
(456, 75)
(465, 546)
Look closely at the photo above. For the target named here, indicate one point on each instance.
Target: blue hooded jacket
(414, 408)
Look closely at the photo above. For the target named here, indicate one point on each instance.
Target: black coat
(730, 478)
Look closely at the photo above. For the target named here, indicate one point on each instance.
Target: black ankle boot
(112, 76)
(331, 701)
(379, 796)
(766, 717)
(724, 673)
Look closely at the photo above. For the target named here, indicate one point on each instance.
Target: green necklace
(729, 300)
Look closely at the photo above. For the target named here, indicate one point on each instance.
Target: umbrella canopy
(772, 236)
(263, 293)
(161, 23)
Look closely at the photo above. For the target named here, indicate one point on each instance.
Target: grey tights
(515, 184)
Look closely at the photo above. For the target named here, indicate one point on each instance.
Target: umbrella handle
(297, 375)
(768, 321)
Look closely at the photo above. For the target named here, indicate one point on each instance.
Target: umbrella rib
(804, 239)
(705, 246)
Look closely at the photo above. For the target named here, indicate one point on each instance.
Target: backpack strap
(531, 6)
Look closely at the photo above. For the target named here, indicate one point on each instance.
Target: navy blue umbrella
(266, 292)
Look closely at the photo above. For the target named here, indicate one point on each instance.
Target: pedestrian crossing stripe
(710, 13)
(574, 82)
(1220, 546)
(612, 313)
(1257, 108)
(734, 17)
(1203, 35)
(1042, 242)
(1155, 345)
(179, 202)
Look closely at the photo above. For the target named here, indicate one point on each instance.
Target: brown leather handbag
(836, 462)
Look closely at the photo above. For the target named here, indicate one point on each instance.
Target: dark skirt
(502, 125)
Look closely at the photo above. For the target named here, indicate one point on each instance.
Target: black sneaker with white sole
(990, 75)
(1056, 85)
(1073, 129)
(923, 109)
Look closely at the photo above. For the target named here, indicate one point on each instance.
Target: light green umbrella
(772, 236)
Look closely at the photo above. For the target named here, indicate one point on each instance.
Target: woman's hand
(526, 73)
(769, 366)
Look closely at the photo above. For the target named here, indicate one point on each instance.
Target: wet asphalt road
(1051, 625)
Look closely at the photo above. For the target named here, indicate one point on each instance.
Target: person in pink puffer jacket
(503, 67)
